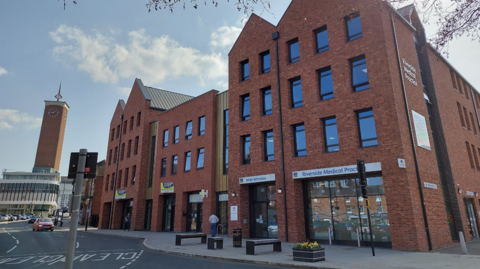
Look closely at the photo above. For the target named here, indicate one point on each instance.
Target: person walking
(213, 224)
(127, 223)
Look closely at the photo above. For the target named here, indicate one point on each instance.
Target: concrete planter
(308, 255)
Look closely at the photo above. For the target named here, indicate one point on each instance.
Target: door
(194, 217)
(264, 212)
(148, 215)
(127, 209)
(169, 213)
(260, 216)
(471, 220)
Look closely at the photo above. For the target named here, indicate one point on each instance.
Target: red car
(43, 224)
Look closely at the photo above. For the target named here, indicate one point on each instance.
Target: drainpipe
(419, 180)
(116, 173)
(276, 36)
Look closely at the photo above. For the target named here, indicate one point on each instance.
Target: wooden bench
(213, 240)
(277, 245)
(179, 237)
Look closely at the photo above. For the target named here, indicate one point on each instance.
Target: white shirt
(213, 219)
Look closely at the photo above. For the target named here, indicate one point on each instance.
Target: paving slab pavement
(336, 256)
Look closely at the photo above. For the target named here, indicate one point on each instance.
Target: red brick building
(334, 82)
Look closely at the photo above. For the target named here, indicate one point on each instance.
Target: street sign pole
(72, 237)
(362, 176)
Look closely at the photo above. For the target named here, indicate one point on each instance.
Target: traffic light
(362, 177)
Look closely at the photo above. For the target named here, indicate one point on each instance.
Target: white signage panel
(421, 130)
(195, 198)
(233, 213)
(401, 163)
(430, 185)
(223, 197)
(470, 193)
(256, 179)
(335, 171)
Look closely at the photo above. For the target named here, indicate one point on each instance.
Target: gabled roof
(162, 99)
(122, 103)
(407, 12)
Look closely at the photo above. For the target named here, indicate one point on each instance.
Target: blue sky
(98, 48)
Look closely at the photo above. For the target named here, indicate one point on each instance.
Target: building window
(300, 142)
(321, 39)
(188, 131)
(127, 170)
(131, 123)
(201, 126)
(267, 101)
(269, 149)
(246, 149)
(466, 118)
(129, 150)
(113, 134)
(473, 123)
(225, 143)
(331, 135)
(359, 73)
(139, 116)
(366, 126)
(125, 124)
(349, 209)
(112, 182)
(177, 134)
(188, 157)
(347, 199)
(361, 209)
(174, 164)
(296, 92)
(354, 26)
(245, 107)
(294, 50)
(265, 58)
(108, 181)
(122, 152)
(326, 83)
(379, 209)
(200, 159)
(245, 70)
(454, 83)
(118, 131)
(163, 172)
(119, 183)
(461, 115)
(134, 171)
(135, 149)
(110, 157)
(378, 198)
(472, 165)
(459, 85)
(153, 147)
(165, 138)
(475, 157)
(116, 155)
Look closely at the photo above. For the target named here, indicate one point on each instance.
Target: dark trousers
(213, 229)
(127, 226)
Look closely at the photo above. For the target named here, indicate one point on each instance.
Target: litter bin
(237, 237)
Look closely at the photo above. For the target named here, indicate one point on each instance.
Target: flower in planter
(307, 245)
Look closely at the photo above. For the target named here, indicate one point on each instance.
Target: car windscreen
(45, 220)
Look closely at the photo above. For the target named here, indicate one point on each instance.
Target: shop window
(174, 164)
(321, 39)
(366, 124)
(359, 73)
(165, 138)
(267, 101)
(177, 134)
(354, 26)
(245, 107)
(163, 172)
(188, 157)
(188, 131)
(300, 142)
(201, 126)
(331, 135)
(296, 92)
(326, 83)
(294, 50)
(246, 149)
(265, 58)
(269, 149)
(245, 70)
(200, 159)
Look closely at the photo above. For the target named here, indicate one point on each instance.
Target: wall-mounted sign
(234, 213)
(204, 193)
(166, 187)
(469, 193)
(195, 198)
(256, 179)
(401, 163)
(120, 194)
(223, 197)
(430, 185)
(410, 72)
(131, 203)
(421, 130)
(334, 171)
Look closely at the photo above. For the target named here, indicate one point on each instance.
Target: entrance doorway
(127, 209)
(169, 213)
(194, 213)
(471, 219)
(148, 215)
(222, 213)
(263, 211)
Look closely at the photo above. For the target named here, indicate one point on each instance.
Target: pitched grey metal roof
(406, 12)
(162, 99)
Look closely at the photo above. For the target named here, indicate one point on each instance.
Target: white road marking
(11, 249)
(18, 242)
(14, 237)
(78, 244)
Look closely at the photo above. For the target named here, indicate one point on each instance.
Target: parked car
(33, 219)
(3, 217)
(22, 217)
(43, 224)
(15, 217)
(10, 217)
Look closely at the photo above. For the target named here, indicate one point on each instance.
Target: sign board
(120, 194)
(367, 202)
(470, 193)
(401, 163)
(233, 213)
(195, 198)
(334, 171)
(90, 165)
(131, 203)
(223, 197)
(421, 130)
(166, 187)
(430, 185)
(257, 179)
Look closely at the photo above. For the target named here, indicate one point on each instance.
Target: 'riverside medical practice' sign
(256, 179)
(335, 171)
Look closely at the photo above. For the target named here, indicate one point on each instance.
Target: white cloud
(3, 71)
(152, 59)
(10, 119)
(225, 36)
(124, 91)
